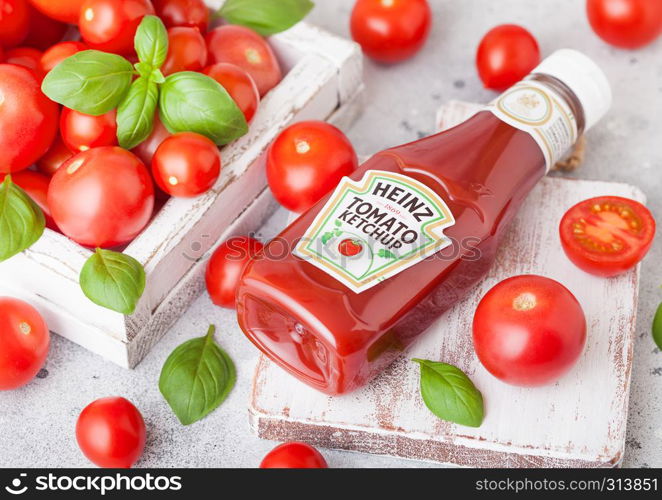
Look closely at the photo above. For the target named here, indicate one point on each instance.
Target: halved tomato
(607, 235)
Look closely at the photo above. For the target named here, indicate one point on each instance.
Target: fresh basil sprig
(657, 327)
(95, 83)
(21, 220)
(212, 112)
(113, 280)
(196, 378)
(91, 82)
(450, 394)
(267, 17)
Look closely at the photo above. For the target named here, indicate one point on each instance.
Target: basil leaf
(113, 280)
(21, 220)
(151, 42)
(449, 394)
(193, 102)
(91, 82)
(135, 116)
(266, 16)
(657, 327)
(196, 378)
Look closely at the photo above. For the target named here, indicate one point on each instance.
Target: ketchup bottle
(341, 292)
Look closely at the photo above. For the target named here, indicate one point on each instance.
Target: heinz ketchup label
(373, 229)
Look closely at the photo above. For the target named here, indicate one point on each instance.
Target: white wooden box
(323, 81)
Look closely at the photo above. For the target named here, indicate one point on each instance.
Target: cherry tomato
(248, 50)
(390, 31)
(186, 164)
(187, 51)
(110, 25)
(192, 13)
(43, 31)
(35, 184)
(102, 197)
(529, 330)
(146, 149)
(81, 132)
(306, 161)
(226, 266)
(27, 57)
(14, 22)
(506, 54)
(111, 432)
(607, 235)
(28, 119)
(294, 455)
(57, 154)
(239, 85)
(349, 247)
(66, 11)
(24, 341)
(59, 52)
(627, 24)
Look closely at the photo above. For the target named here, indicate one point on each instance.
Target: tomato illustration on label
(375, 228)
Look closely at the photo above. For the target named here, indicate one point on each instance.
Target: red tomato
(627, 24)
(193, 13)
(506, 54)
(24, 341)
(607, 235)
(248, 50)
(27, 57)
(43, 31)
(186, 51)
(239, 85)
(81, 132)
(390, 31)
(66, 11)
(146, 149)
(14, 22)
(102, 197)
(186, 164)
(111, 432)
(54, 157)
(529, 330)
(349, 247)
(306, 161)
(226, 266)
(35, 184)
(2, 54)
(59, 52)
(294, 455)
(110, 25)
(28, 119)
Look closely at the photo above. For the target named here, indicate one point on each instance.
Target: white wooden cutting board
(579, 421)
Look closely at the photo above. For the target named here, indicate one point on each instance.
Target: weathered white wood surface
(579, 421)
(322, 81)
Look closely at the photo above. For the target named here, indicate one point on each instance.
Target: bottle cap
(584, 78)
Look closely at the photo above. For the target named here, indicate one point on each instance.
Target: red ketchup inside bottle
(349, 285)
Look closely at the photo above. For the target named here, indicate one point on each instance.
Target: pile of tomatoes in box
(38, 137)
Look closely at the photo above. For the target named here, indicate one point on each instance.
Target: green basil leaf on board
(657, 327)
(21, 220)
(135, 115)
(267, 17)
(151, 41)
(193, 102)
(196, 378)
(113, 280)
(450, 394)
(91, 82)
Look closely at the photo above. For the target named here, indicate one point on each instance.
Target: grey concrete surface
(37, 422)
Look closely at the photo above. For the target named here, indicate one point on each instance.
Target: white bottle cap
(584, 78)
